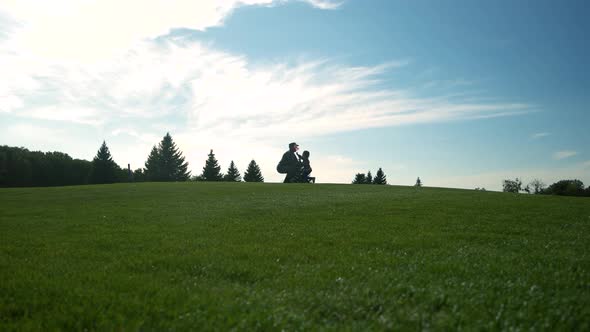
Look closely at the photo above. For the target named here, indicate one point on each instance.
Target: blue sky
(461, 93)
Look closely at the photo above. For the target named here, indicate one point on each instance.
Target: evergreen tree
(166, 163)
(104, 169)
(418, 182)
(212, 170)
(369, 178)
(380, 177)
(253, 173)
(359, 178)
(153, 165)
(232, 175)
(174, 167)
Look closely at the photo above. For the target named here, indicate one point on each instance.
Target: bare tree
(537, 186)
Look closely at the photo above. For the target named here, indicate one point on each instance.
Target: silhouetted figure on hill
(290, 164)
(306, 168)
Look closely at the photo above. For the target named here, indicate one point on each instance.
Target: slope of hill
(160, 256)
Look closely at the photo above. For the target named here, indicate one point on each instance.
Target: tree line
(362, 178)
(561, 187)
(20, 167)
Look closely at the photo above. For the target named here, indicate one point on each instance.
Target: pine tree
(232, 175)
(418, 182)
(253, 173)
(380, 177)
(104, 169)
(212, 170)
(369, 179)
(359, 178)
(166, 163)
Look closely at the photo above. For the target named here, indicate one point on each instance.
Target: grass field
(201, 256)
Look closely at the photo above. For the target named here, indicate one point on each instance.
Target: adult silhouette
(290, 163)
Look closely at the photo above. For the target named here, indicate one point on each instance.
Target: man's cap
(293, 144)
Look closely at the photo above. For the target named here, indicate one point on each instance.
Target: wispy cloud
(539, 135)
(564, 154)
(325, 4)
(221, 93)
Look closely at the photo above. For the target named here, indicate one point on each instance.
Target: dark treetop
(166, 163)
(212, 170)
(232, 175)
(253, 173)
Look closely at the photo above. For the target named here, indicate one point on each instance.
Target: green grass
(203, 256)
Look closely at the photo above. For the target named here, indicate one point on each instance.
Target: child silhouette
(306, 167)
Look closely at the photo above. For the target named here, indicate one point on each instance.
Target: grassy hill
(272, 256)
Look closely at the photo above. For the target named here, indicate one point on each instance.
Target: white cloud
(74, 30)
(539, 135)
(564, 154)
(325, 4)
(88, 116)
(9, 103)
(586, 164)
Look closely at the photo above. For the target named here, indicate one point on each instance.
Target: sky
(459, 93)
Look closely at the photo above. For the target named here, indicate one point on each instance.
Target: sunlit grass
(273, 256)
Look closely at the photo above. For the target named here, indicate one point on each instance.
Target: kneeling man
(290, 163)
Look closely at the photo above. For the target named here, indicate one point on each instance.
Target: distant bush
(139, 175)
(20, 167)
(567, 188)
(536, 186)
(512, 186)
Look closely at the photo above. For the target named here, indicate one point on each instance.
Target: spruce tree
(253, 173)
(418, 182)
(153, 166)
(359, 178)
(212, 170)
(380, 177)
(369, 179)
(166, 163)
(232, 175)
(104, 169)
(174, 167)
